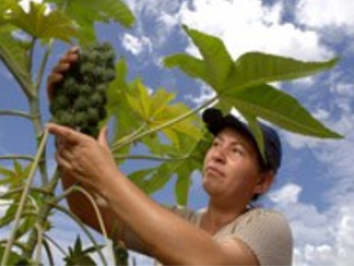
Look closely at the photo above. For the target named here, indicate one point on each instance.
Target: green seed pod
(81, 103)
(97, 100)
(80, 118)
(65, 118)
(93, 116)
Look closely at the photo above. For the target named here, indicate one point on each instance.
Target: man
(227, 232)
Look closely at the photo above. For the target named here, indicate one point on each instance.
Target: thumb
(102, 137)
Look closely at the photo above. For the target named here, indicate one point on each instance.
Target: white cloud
(326, 13)
(136, 45)
(249, 26)
(288, 194)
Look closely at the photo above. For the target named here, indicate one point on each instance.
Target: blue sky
(314, 187)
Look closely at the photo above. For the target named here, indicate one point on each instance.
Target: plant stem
(16, 113)
(149, 157)
(23, 199)
(134, 137)
(37, 123)
(17, 157)
(22, 77)
(42, 68)
(42, 215)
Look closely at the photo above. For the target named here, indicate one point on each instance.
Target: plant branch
(42, 214)
(51, 240)
(39, 230)
(48, 250)
(17, 157)
(31, 51)
(149, 157)
(20, 76)
(16, 113)
(119, 144)
(24, 195)
(42, 68)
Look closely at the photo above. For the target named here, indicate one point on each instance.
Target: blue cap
(216, 121)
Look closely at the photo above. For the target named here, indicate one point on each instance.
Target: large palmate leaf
(38, 24)
(87, 13)
(192, 66)
(217, 59)
(273, 105)
(256, 68)
(238, 84)
(216, 63)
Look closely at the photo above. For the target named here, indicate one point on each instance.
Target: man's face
(231, 169)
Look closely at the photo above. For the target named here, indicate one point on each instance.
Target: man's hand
(63, 65)
(88, 160)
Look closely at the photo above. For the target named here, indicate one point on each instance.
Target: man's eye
(237, 150)
(215, 143)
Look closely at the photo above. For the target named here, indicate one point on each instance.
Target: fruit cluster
(79, 100)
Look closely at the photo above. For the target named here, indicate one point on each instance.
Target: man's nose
(219, 154)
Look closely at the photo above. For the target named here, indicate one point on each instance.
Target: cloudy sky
(314, 187)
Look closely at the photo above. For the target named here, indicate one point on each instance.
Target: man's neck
(215, 217)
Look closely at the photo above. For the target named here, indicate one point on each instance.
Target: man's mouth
(213, 169)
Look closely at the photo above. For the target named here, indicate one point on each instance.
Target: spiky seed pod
(80, 98)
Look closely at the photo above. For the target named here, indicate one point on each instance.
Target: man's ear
(264, 183)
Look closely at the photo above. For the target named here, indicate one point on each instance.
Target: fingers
(103, 137)
(62, 66)
(66, 134)
(63, 163)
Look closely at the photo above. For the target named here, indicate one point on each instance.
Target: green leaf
(217, 60)
(181, 161)
(16, 177)
(154, 110)
(125, 121)
(183, 184)
(192, 66)
(13, 257)
(279, 108)
(87, 13)
(78, 256)
(256, 68)
(13, 53)
(41, 25)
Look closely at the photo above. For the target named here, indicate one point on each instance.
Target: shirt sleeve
(267, 233)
